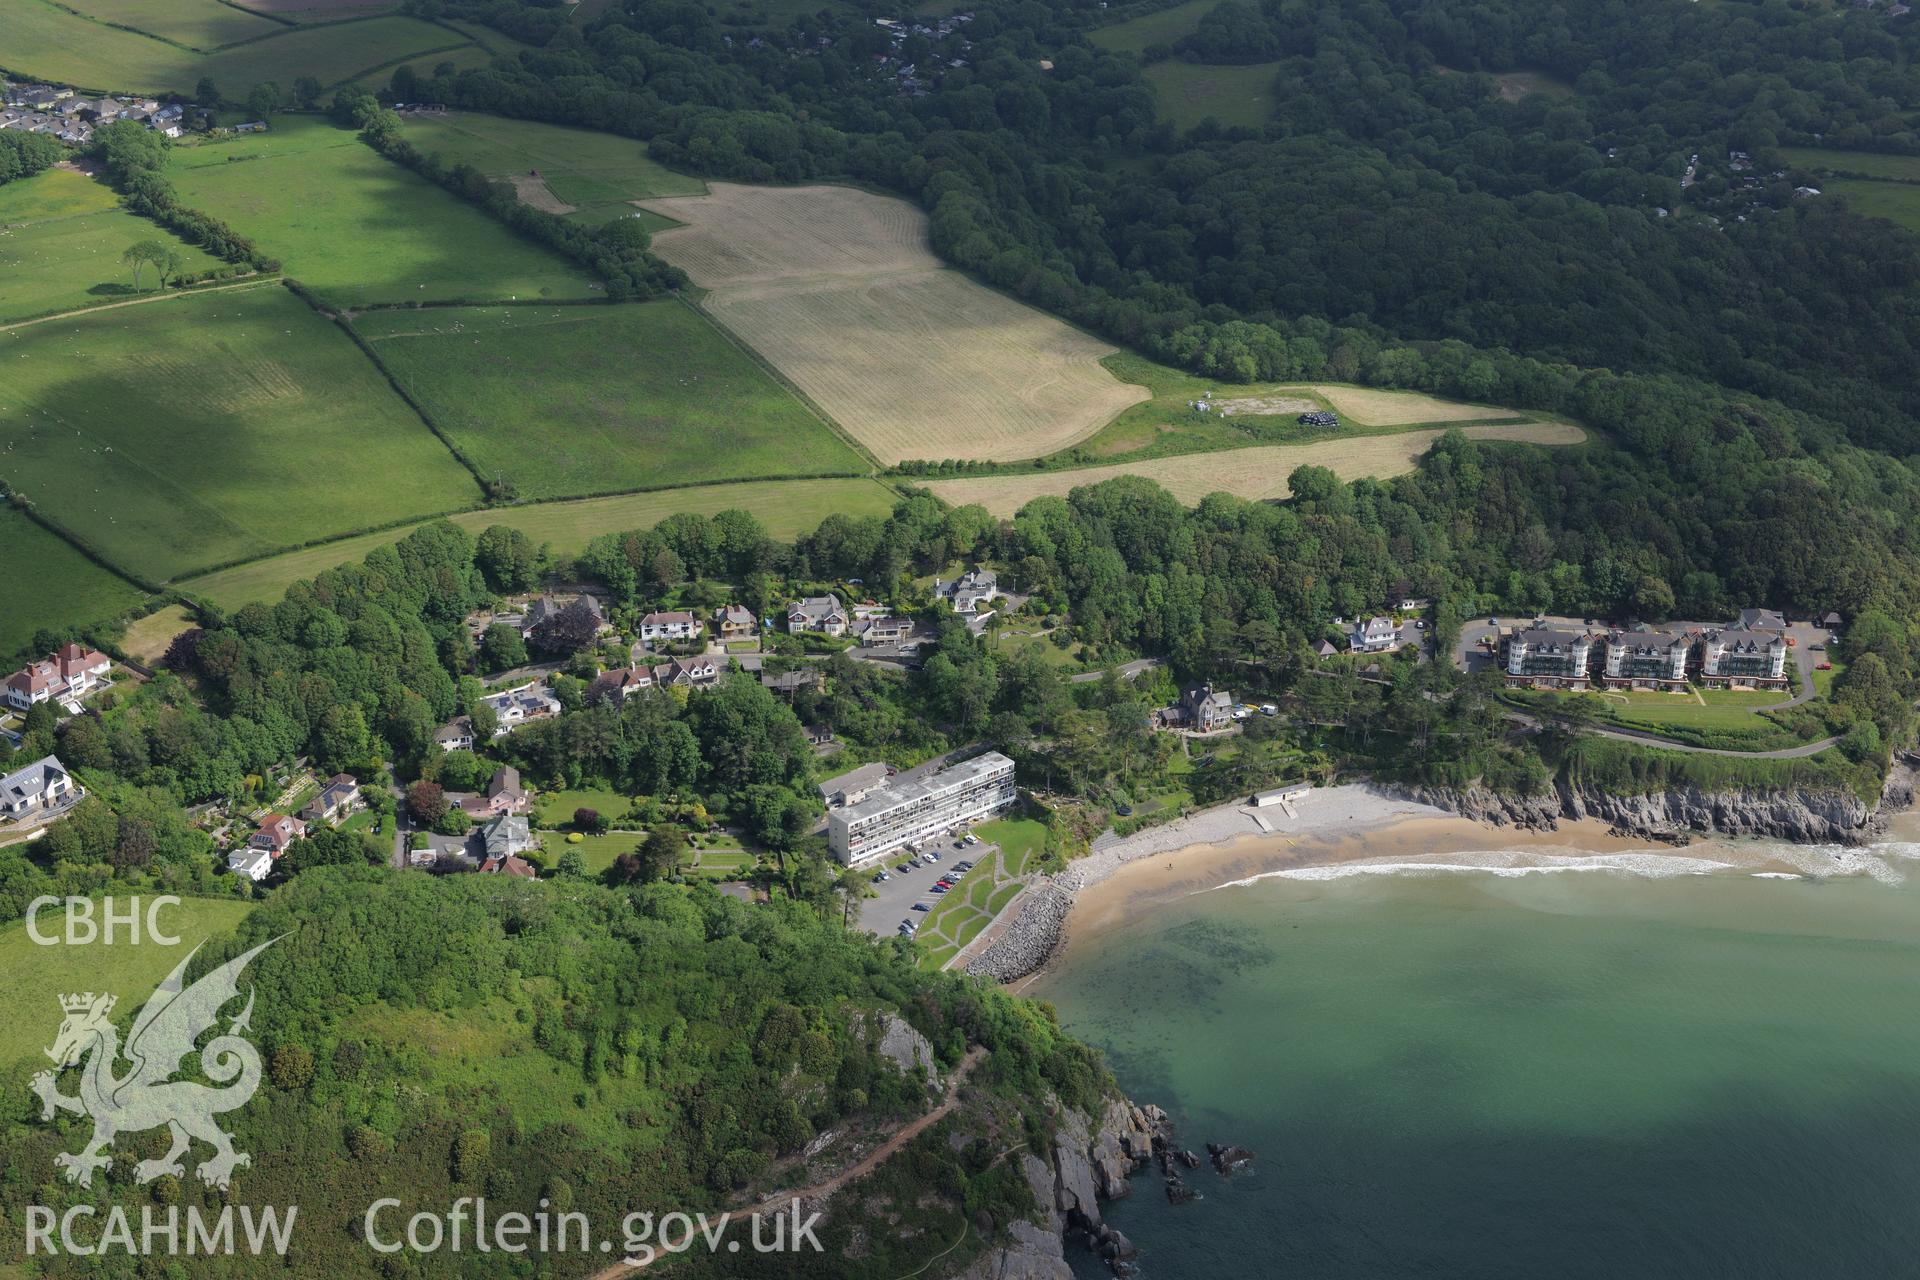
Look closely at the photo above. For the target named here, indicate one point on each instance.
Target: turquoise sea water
(1547, 1076)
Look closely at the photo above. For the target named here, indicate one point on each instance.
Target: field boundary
(340, 322)
(767, 367)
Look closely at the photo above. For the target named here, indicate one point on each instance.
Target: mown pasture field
(1236, 96)
(839, 291)
(64, 588)
(38, 976)
(203, 429)
(785, 507)
(1161, 27)
(566, 401)
(1260, 471)
(203, 25)
(61, 237)
(358, 229)
(594, 176)
(48, 42)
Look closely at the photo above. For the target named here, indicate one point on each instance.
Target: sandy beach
(1358, 829)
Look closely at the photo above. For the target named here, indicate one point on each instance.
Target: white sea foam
(1505, 863)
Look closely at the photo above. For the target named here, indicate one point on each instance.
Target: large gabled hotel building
(897, 815)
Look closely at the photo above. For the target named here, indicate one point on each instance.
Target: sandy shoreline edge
(1355, 828)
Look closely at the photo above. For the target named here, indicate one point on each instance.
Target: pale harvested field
(1259, 472)
(839, 291)
(147, 639)
(1403, 408)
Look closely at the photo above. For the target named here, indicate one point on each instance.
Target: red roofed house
(73, 672)
(276, 832)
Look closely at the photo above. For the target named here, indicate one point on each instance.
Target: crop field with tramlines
(565, 401)
(838, 290)
(188, 433)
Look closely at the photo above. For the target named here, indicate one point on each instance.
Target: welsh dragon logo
(147, 1096)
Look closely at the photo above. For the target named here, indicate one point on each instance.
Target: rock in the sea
(1227, 1158)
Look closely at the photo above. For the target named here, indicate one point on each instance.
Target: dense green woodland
(656, 1049)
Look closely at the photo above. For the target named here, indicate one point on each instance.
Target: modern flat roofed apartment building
(896, 815)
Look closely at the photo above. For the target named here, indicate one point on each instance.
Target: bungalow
(734, 622)
(1540, 658)
(973, 592)
(1647, 660)
(790, 682)
(546, 619)
(276, 832)
(821, 614)
(340, 797)
(455, 735)
(853, 786)
(698, 673)
(1373, 635)
(504, 794)
(255, 864)
(674, 625)
(515, 707)
(1737, 659)
(38, 790)
(71, 672)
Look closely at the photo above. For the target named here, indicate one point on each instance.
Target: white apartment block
(892, 816)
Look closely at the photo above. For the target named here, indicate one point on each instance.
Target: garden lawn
(569, 401)
(49, 584)
(49, 41)
(61, 237)
(358, 229)
(204, 429)
(785, 507)
(37, 976)
(597, 173)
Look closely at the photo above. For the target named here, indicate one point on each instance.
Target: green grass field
(565, 401)
(63, 589)
(199, 24)
(37, 975)
(786, 507)
(192, 432)
(1871, 164)
(1897, 202)
(1189, 92)
(61, 237)
(598, 173)
(358, 229)
(46, 41)
(1163, 27)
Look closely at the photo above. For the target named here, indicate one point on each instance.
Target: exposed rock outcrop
(1815, 817)
(1093, 1155)
(898, 1042)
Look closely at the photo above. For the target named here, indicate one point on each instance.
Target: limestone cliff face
(1093, 1155)
(1812, 817)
